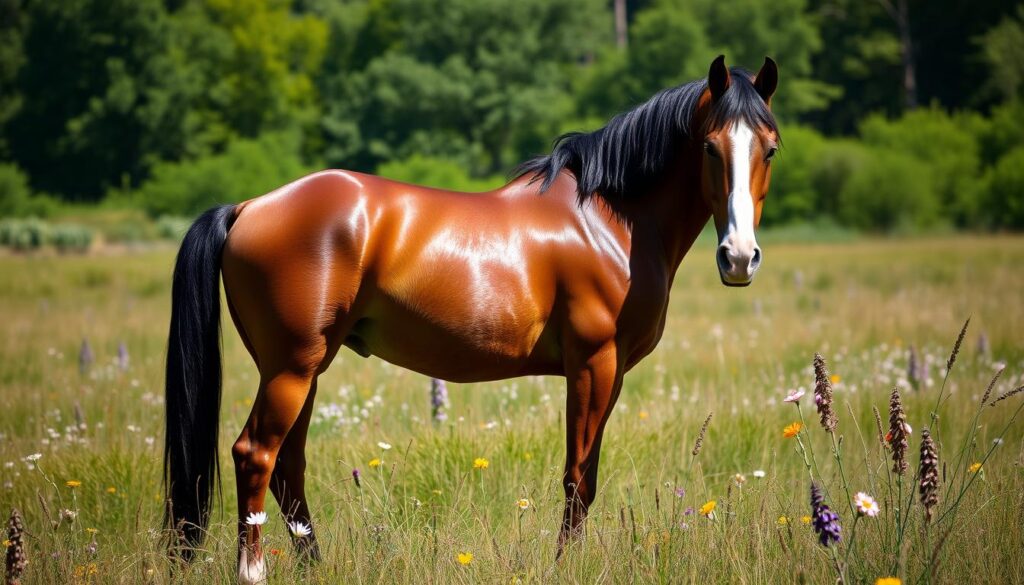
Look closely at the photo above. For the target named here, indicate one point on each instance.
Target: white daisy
(865, 505)
(256, 518)
(759, 473)
(299, 529)
(34, 457)
(384, 446)
(523, 504)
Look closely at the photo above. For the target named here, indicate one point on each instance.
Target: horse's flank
(465, 287)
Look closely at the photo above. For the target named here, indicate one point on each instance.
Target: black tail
(194, 377)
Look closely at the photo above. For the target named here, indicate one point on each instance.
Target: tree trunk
(621, 40)
(907, 56)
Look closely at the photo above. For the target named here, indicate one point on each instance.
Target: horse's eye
(771, 153)
(711, 150)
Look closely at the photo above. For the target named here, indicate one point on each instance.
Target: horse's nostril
(723, 259)
(756, 260)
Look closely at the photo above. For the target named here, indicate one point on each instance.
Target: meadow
(81, 417)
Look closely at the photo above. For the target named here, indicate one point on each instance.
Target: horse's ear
(767, 79)
(718, 78)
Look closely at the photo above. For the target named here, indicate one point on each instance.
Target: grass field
(737, 353)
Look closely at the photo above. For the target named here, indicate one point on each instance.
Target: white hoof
(251, 572)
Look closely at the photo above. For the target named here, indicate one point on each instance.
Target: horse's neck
(676, 211)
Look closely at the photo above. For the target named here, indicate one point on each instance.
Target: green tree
(1002, 49)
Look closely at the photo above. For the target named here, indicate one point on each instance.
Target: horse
(566, 270)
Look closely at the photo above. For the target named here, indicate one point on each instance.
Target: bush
(1005, 201)
(172, 227)
(246, 169)
(23, 234)
(71, 237)
(436, 172)
(891, 191)
(16, 199)
(832, 168)
(946, 145)
(792, 194)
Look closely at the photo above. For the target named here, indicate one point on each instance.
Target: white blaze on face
(738, 242)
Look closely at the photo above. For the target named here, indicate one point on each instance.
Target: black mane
(633, 149)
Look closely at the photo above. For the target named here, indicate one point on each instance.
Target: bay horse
(566, 270)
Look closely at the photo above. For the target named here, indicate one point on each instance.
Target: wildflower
(700, 435)
(355, 477)
(438, 400)
(708, 509)
(975, 467)
(384, 446)
(34, 457)
(834, 378)
(256, 518)
(465, 558)
(928, 471)
(375, 462)
(680, 492)
(85, 357)
(865, 505)
(956, 346)
(111, 490)
(888, 581)
(523, 504)
(758, 473)
(481, 463)
(299, 529)
(688, 511)
(825, 521)
(643, 414)
(792, 430)
(898, 430)
(276, 552)
(16, 561)
(794, 395)
(739, 479)
(122, 356)
(68, 515)
(92, 530)
(783, 520)
(805, 520)
(823, 395)
(73, 483)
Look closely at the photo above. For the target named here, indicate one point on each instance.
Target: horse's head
(739, 139)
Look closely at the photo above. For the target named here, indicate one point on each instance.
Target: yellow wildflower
(792, 430)
(7, 543)
(111, 490)
(974, 468)
(835, 378)
(805, 520)
(888, 581)
(708, 508)
(73, 483)
(527, 456)
(643, 415)
(480, 463)
(783, 520)
(375, 462)
(465, 558)
(92, 530)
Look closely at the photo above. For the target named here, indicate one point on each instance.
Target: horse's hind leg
(288, 482)
(276, 410)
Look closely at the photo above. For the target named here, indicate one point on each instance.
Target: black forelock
(633, 148)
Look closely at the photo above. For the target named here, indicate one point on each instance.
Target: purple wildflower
(355, 477)
(824, 520)
(680, 492)
(85, 357)
(688, 511)
(439, 400)
(122, 356)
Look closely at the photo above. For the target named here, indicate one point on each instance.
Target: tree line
(896, 114)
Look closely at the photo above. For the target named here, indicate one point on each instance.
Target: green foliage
(1002, 49)
(891, 191)
(16, 199)
(247, 168)
(945, 145)
(1005, 201)
(793, 193)
(436, 172)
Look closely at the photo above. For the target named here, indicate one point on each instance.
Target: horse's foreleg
(593, 387)
(288, 482)
(278, 406)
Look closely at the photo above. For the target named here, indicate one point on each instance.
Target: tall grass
(734, 353)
